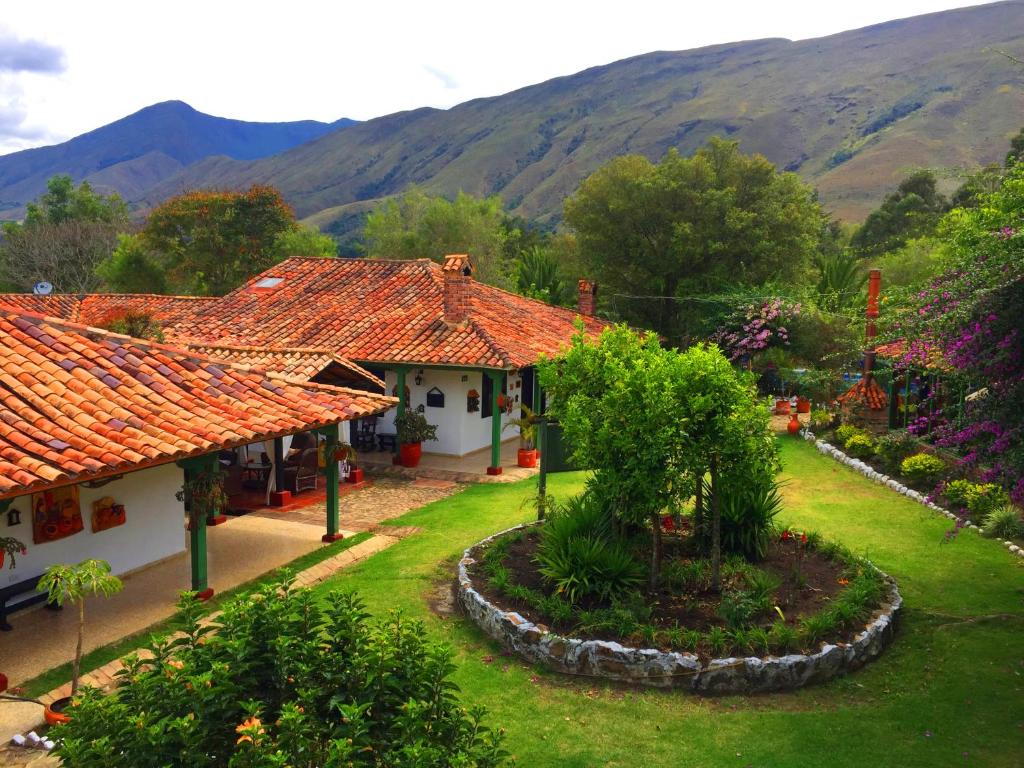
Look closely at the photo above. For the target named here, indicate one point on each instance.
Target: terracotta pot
(3, 682)
(2, 556)
(55, 711)
(527, 458)
(782, 407)
(794, 425)
(355, 475)
(409, 454)
(803, 405)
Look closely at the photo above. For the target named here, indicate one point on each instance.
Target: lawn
(948, 692)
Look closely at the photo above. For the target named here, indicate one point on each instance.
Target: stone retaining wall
(652, 667)
(872, 474)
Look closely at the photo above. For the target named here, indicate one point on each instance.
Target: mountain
(851, 113)
(138, 152)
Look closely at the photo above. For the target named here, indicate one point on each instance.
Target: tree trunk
(716, 529)
(698, 514)
(655, 550)
(78, 649)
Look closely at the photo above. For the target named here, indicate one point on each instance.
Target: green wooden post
(542, 478)
(400, 411)
(537, 400)
(497, 382)
(197, 528)
(331, 478)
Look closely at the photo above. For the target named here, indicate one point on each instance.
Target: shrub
(846, 431)
(412, 427)
(922, 468)
(748, 509)
(1004, 523)
(860, 446)
(288, 678)
(894, 447)
(820, 419)
(739, 608)
(980, 499)
(578, 556)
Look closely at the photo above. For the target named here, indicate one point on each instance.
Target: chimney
(457, 271)
(586, 304)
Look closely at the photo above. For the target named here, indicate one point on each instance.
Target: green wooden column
(497, 382)
(197, 527)
(331, 478)
(536, 406)
(400, 372)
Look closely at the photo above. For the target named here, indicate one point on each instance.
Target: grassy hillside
(850, 113)
(137, 152)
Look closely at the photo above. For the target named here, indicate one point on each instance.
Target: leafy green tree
(303, 241)
(208, 242)
(416, 225)
(840, 281)
(64, 236)
(913, 210)
(72, 584)
(284, 677)
(132, 268)
(658, 234)
(1016, 153)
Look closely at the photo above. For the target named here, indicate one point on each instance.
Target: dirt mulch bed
(695, 610)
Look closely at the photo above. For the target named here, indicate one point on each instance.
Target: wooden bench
(388, 442)
(19, 588)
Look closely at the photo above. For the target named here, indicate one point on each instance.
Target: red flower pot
(409, 454)
(803, 405)
(527, 458)
(55, 711)
(3, 679)
(782, 407)
(355, 475)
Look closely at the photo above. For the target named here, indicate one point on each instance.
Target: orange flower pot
(803, 405)
(55, 711)
(527, 458)
(794, 425)
(782, 407)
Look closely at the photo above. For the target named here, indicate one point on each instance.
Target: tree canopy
(66, 233)
(912, 210)
(659, 233)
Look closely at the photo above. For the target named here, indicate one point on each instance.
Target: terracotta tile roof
(870, 393)
(92, 308)
(78, 402)
(301, 364)
(382, 312)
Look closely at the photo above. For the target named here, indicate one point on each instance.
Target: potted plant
(72, 584)
(346, 453)
(803, 405)
(412, 430)
(9, 547)
(527, 456)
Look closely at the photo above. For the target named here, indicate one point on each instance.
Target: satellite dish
(42, 288)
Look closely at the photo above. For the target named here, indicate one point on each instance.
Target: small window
(488, 395)
(269, 282)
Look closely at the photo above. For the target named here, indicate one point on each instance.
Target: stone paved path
(103, 677)
(365, 508)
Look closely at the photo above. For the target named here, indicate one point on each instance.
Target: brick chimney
(458, 271)
(586, 304)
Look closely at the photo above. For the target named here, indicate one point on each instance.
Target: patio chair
(301, 475)
(366, 429)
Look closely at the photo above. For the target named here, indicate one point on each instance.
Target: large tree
(65, 234)
(416, 225)
(208, 242)
(658, 235)
(912, 210)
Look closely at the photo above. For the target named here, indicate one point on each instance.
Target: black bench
(19, 588)
(388, 442)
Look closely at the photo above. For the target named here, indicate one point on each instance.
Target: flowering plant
(756, 327)
(10, 547)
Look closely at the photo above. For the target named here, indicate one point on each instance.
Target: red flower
(786, 535)
(803, 538)
(668, 523)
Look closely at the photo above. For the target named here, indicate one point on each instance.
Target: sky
(67, 67)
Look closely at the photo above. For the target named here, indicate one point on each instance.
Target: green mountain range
(140, 151)
(851, 113)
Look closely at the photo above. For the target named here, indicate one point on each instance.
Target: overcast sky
(67, 67)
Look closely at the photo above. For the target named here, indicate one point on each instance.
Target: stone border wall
(664, 669)
(872, 474)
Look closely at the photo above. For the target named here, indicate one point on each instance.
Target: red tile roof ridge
(332, 388)
(198, 347)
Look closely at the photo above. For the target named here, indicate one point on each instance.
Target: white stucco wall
(458, 431)
(153, 529)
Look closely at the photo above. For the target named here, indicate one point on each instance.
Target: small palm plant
(527, 428)
(72, 584)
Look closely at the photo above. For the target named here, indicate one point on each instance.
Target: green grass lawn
(949, 691)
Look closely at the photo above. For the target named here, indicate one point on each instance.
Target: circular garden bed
(807, 612)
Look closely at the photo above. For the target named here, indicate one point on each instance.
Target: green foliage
(913, 210)
(579, 555)
(207, 242)
(1004, 523)
(841, 279)
(740, 608)
(412, 427)
(895, 446)
(416, 225)
(65, 235)
(749, 504)
(845, 431)
(820, 419)
(860, 446)
(286, 679)
(910, 266)
(132, 268)
(690, 225)
(980, 499)
(526, 425)
(537, 274)
(303, 241)
(922, 468)
(140, 325)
